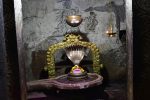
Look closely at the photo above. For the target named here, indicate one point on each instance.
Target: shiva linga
(76, 54)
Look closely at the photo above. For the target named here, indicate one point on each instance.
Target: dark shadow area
(93, 93)
(141, 49)
(12, 67)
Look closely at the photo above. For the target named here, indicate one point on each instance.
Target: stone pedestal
(93, 79)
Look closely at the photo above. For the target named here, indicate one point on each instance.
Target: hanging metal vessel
(74, 20)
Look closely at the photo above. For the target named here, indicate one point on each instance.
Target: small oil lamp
(110, 32)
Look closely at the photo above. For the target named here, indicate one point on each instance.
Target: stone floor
(113, 92)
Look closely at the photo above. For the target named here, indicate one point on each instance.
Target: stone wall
(44, 24)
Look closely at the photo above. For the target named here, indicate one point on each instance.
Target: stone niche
(44, 24)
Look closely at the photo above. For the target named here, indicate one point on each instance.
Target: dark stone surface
(141, 29)
(12, 68)
(3, 89)
(114, 92)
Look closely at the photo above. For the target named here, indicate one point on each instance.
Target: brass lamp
(74, 20)
(110, 32)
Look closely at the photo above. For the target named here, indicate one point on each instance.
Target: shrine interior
(74, 49)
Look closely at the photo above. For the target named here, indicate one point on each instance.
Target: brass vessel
(74, 20)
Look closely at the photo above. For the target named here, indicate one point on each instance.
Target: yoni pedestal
(92, 79)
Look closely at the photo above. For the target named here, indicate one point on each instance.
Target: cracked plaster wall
(44, 24)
